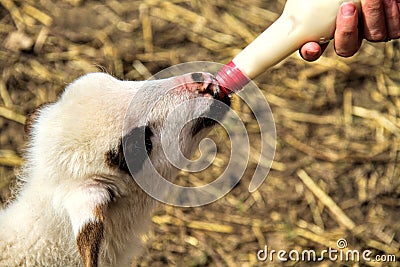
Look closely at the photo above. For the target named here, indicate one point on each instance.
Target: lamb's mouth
(212, 89)
(217, 110)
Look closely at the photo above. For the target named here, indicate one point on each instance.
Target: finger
(392, 14)
(346, 33)
(312, 51)
(374, 20)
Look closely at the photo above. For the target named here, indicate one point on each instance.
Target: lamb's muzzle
(79, 205)
(201, 83)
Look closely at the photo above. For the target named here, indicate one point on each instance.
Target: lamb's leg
(86, 206)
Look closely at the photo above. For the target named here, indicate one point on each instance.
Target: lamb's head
(101, 131)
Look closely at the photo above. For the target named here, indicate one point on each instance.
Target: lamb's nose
(197, 77)
(200, 82)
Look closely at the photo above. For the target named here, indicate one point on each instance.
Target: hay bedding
(336, 170)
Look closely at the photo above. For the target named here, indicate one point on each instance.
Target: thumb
(312, 51)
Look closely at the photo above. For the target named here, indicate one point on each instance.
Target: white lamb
(79, 205)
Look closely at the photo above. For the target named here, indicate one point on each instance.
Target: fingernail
(348, 10)
(312, 53)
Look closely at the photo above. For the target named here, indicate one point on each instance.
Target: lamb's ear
(87, 206)
(32, 117)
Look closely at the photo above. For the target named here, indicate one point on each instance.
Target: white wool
(66, 176)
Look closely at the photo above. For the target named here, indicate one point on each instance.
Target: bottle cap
(231, 79)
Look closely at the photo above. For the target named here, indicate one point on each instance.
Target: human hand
(380, 22)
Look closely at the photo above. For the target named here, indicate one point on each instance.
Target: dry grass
(336, 170)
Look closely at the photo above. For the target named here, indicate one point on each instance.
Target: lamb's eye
(137, 146)
(148, 133)
(132, 151)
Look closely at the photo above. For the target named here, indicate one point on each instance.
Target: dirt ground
(336, 169)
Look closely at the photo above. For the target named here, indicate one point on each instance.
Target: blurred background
(336, 169)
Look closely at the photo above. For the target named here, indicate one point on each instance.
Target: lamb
(79, 205)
